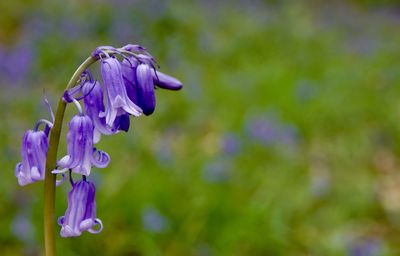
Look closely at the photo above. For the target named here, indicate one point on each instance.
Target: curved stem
(50, 179)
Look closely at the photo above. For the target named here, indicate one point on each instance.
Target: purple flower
(368, 247)
(122, 123)
(93, 101)
(81, 212)
(153, 221)
(18, 64)
(231, 144)
(118, 102)
(165, 81)
(129, 66)
(271, 132)
(145, 89)
(81, 154)
(33, 152)
(23, 228)
(139, 80)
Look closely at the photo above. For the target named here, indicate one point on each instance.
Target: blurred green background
(284, 140)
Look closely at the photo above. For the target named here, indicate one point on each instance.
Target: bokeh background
(284, 141)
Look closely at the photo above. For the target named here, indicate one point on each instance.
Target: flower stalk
(50, 179)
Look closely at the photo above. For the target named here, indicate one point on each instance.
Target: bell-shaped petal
(93, 102)
(165, 81)
(128, 67)
(145, 89)
(118, 102)
(81, 154)
(81, 212)
(33, 153)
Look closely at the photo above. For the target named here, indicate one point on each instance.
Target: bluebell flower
(145, 89)
(129, 66)
(140, 79)
(81, 212)
(33, 152)
(81, 154)
(93, 101)
(118, 102)
(165, 81)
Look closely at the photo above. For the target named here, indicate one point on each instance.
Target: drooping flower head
(33, 152)
(118, 102)
(81, 212)
(139, 75)
(81, 154)
(129, 79)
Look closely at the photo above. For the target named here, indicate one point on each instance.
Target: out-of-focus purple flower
(369, 247)
(145, 89)
(268, 132)
(22, 228)
(118, 102)
(230, 144)
(217, 172)
(81, 154)
(18, 64)
(165, 81)
(33, 152)
(81, 212)
(153, 221)
(263, 130)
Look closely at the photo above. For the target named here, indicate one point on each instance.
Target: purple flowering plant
(129, 78)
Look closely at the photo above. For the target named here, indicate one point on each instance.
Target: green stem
(50, 179)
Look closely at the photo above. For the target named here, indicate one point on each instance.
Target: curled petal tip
(100, 228)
